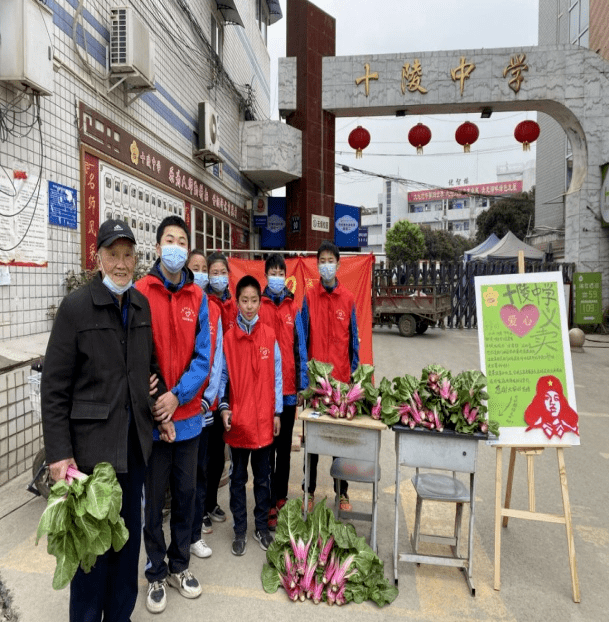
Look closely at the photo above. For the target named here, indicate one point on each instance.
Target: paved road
(535, 574)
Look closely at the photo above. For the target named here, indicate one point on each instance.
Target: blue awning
(228, 10)
(275, 13)
(486, 245)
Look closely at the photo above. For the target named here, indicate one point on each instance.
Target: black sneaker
(239, 544)
(207, 526)
(264, 538)
(218, 514)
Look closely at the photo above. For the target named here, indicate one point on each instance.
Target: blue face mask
(173, 257)
(201, 279)
(276, 284)
(114, 288)
(327, 271)
(218, 283)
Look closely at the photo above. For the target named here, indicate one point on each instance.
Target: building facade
(132, 110)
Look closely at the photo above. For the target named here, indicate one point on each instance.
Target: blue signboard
(62, 205)
(363, 237)
(346, 225)
(273, 235)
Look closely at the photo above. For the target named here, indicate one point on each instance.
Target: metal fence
(457, 279)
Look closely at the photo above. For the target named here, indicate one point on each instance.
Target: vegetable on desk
(339, 567)
(82, 520)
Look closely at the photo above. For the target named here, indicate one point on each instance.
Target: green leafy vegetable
(353, 572)
(82, 520)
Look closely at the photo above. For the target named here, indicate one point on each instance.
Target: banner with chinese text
(525, 354)
(355, 273)
(588, 297)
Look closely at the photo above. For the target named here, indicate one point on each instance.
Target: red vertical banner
(355, 273)
(187, 214)
(90, 209)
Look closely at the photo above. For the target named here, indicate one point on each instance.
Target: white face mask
(201, 279)
(327, 271)
(173, 257)
(117, 290)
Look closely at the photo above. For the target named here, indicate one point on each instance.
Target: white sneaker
(156, 600)
(185, 583)
(200, 549)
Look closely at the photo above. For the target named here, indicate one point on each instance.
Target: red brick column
(311, 35)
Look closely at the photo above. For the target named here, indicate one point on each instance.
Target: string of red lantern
(359, 139)
(467, 134)
(419, 136)
(526, 132)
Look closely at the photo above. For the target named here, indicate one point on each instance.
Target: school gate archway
(569, 83)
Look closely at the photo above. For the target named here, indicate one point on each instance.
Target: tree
(515, 214)
(404, 243)
(444, 245)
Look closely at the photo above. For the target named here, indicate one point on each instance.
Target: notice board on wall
(525, 353)
(23, 221)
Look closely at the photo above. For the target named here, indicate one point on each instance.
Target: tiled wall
(20, 428)
(165, 119)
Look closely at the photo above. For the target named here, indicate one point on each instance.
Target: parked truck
(412, 307)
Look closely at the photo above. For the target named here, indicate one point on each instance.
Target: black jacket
(88, 391)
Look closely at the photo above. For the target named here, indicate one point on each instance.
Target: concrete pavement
(534, 566)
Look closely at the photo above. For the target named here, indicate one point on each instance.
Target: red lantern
(419, 136)
(526, 132)
(359, 139)
(466, 135)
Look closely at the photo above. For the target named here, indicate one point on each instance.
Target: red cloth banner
(355, 273)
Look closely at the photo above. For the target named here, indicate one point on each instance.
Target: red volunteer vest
(174, 325)
(329, 319)
(281, 319)
(251, 371)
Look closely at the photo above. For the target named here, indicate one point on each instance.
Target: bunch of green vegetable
(437, 401)
(338, 399)
(82, 520)
(323, 559)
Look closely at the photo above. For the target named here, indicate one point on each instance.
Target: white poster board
(525, 354)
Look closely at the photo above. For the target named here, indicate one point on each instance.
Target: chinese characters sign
(524, 352)
(588, 298)
(412, 75)
(497, 188)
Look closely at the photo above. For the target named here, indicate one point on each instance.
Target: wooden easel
(504, 512)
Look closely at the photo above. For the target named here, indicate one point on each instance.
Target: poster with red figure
(525, 353)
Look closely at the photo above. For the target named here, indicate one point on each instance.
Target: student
(251, 409)
(96, 408)
(278, 310)
(201, 522)
(330, 324)
(180, 328)
(219, 295)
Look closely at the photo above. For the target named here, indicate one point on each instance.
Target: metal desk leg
(469, 571)
(307, 473)
(375, 494)
(397, 513)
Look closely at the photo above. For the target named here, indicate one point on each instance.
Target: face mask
(173, 257)
(114, 288)
(219, 283)
(327, 271)
(201, 279)
(249, 323)
(276, 284)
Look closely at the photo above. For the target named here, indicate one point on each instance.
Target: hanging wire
(37, 187)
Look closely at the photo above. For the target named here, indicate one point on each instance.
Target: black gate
(457, 278)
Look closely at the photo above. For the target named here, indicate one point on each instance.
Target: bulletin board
(525, 354)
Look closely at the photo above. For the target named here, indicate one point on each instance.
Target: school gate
(569, 83)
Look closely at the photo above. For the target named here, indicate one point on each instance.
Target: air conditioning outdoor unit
(209, 133)
(131, 48)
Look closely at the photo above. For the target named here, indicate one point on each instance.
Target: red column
(311, 35)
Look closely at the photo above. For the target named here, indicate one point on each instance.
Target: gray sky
(405, 26)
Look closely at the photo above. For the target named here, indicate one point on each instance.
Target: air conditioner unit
(131, 48)
(209, 131)
(26, 45)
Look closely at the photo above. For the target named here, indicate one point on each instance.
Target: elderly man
(96, 407)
